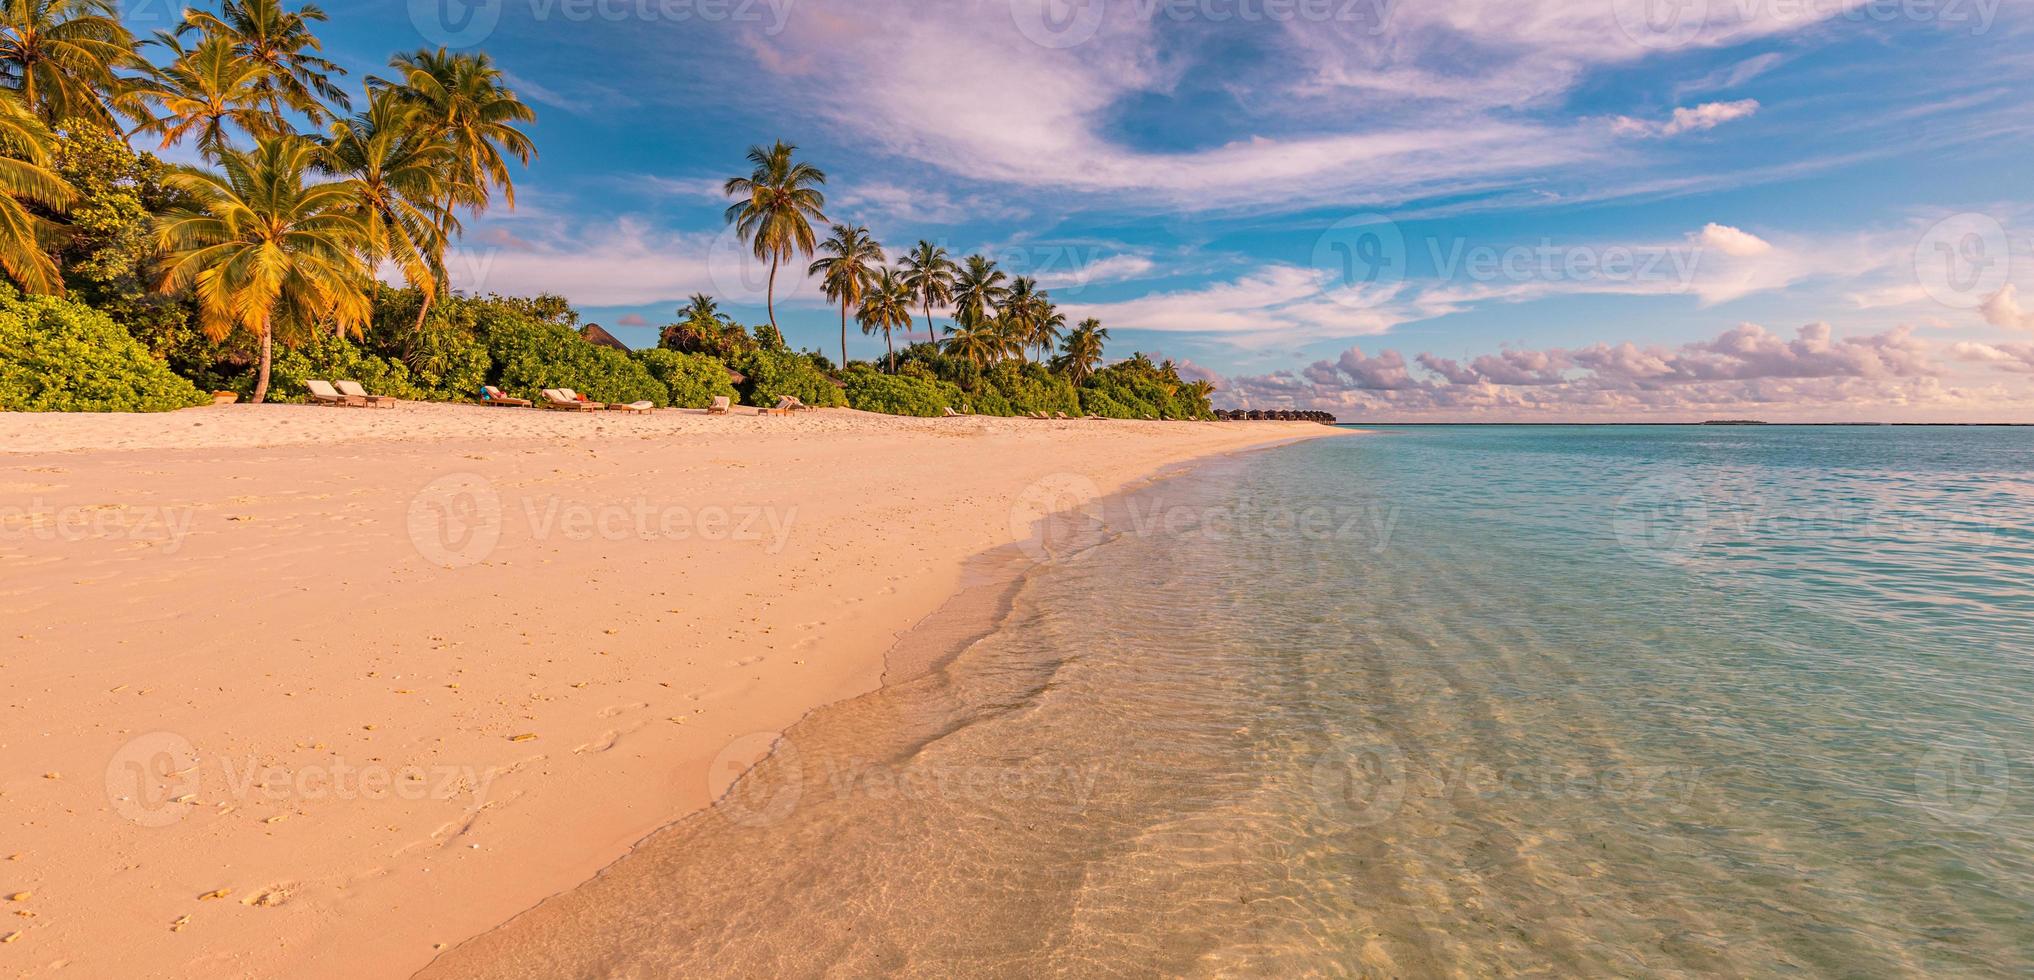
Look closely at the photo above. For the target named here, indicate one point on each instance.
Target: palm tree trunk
(444, 229)
(843, 335)
(893, 350)
(261, 374)
(770, 297)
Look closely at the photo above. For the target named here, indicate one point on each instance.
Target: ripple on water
(1493, 729)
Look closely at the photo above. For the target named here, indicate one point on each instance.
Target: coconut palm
(979, 345)
(1025, 310)
(400, 174)
(774, 208)
(1082, 351)
(464, 101)
(63, 57)
(978, 291)
(929, 274)
(886, 306)
(264, 249)
(845, 270)
(25, 176)
(205, 91)
(700, 307)
(1046, 332)
(281, 41)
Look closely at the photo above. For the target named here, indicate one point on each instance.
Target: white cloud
(1706, 116)
(1272, 305)
(2003, 310)
(1744, 371)
(1733, 242)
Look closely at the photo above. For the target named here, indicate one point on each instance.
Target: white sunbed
(354, 390)
(322, 393)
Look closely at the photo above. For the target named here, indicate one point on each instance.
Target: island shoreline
(442, 673)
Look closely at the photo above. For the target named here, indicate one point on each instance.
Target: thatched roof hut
(597, 334)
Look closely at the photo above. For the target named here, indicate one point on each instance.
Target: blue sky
(1489, 209)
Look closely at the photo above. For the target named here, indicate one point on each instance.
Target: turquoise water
(1438, 701)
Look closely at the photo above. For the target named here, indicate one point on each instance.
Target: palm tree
(1082, 352)
(700, 306)
(464, 101)
(1049, 328)
(977, 290)
(887, 306)
(929, 274)
(62, 57)
(264, 249)
(979, 345)
(845, 271)
(400, 174)
(202, 91)
(1029, 316)
(1020, 305)
(281, 41)
(25, 175)
(774, 208)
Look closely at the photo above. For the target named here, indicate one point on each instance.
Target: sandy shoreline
(294, 654)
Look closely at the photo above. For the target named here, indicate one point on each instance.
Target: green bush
(532, 354)
(61, 356)
(989, 403)
(768, 375)
(890, 394)
(1032, 388)
(693, 380)
(330, 358)
(1094, 401)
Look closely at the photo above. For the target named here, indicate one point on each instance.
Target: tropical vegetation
(132, 284)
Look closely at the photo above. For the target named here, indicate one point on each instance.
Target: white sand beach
(308, 692)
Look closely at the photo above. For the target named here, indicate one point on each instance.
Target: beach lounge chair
(790, 403)
(322, 393)
(950, 413)
(1062, 416)
(491, 395)
(354, 390)
(639, 408)
(720, 406)
(565, 399)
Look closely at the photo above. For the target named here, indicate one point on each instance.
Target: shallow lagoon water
(1442, 700)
